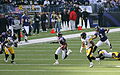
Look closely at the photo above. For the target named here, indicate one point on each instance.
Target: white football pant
(59, 50)
(26, 29)
(99, 43)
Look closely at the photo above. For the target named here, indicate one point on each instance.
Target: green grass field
(38, 59)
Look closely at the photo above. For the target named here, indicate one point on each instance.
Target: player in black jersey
(101, 32)
(63, 48)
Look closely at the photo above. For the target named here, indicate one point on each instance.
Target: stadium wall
(111, 19)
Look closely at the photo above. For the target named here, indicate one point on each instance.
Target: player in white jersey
(63, 48)
(88, 44)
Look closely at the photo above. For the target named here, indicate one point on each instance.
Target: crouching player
(8, 48)
(88, 44)
(63, 48)
(104, 54)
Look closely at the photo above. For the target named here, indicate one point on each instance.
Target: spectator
(65, 17)
(46, 3)
(79, 14)
(17, 27)
(45, 6)
(3, 23)
(43, 21)
(53, 15)
(85, 16)
(10, 22)
(100, 16)
(72, 18)
(36, 24)
(58, 22)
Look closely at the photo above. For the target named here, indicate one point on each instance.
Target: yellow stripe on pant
(9, 50)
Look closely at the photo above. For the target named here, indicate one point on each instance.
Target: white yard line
(66, 36)
(42, 54)
(62, 71)
(44, 59)
(57, 65)
(43, 64)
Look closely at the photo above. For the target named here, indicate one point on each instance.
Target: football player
(3, 37)
(8, 42)
(63, 48)
(104, 54)
(26, 25)
(88, 44)
(101, 32)
(8, 47)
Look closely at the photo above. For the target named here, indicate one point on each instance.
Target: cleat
(13, 62)
(5, 60)
(91, 64)
(56, 63)
(98, 59)
(20, 42)
(26, 40)
(110, 47)
(69, 51)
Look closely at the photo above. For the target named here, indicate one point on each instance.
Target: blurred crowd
(68, 18)
(39, 22)
(59, 5)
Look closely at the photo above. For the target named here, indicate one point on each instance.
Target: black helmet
(83, 35)
(9, 31)
(99, 51)
(59, 34)
(97, 27)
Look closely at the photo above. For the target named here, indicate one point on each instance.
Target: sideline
(41, 40)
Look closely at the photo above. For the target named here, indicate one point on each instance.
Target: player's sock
(89, 58)
(6, 57)
(94, 49)
(56, 59)
(56, 56)
(13, 56)
(110, 47)
(26, 39)
(93, 58)
(65, 56)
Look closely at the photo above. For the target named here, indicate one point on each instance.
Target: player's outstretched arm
(54, 42)
(94, 36)
(107, 30)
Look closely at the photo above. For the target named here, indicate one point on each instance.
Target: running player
(26, 25)
(8, 45)
(4, 37)
(101, 32)
(63, 48)
(88, 44)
